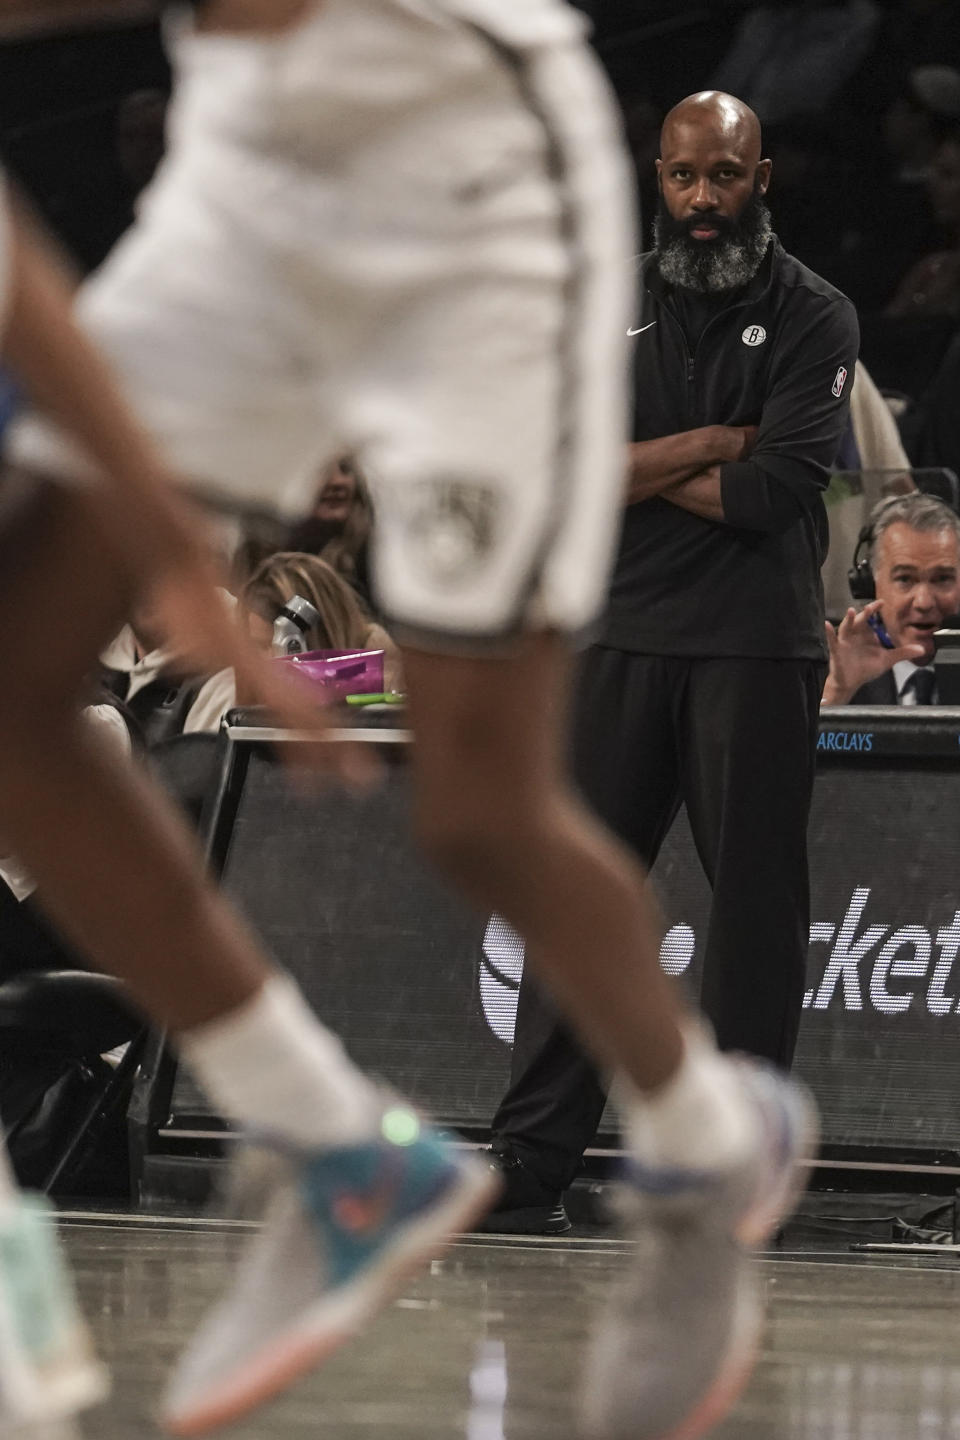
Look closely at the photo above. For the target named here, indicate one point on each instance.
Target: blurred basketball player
(396, 228)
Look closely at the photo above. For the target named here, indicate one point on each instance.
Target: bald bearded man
(704, 686)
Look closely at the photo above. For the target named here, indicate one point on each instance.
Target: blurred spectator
(888, 193)
(152, 683)
(932, 286)
(343, 623)
(874, 440)
(338, 528)
(814, 179)
(914, 123)
(165, 702)
(914, 555)
(792, 60)
(931, 430)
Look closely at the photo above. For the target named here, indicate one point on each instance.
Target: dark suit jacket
(882, 691)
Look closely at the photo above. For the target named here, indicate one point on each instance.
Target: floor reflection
(487, 1344)
(488, 1392)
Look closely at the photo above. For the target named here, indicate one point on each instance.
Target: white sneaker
(344, 1227)
(48, 1370)
(678, 1342)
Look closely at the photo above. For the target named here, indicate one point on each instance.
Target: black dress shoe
(526, 1206)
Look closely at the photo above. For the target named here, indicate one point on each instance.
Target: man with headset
(703, 686)
(907, 568)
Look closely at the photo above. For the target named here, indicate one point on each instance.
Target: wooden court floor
(487, 1344)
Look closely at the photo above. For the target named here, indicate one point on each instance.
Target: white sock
(9, 1189)
(699, 1120)
(272, 1066)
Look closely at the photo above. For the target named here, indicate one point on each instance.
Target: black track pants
(735, 740)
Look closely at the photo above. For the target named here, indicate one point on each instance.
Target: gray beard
(726, 264)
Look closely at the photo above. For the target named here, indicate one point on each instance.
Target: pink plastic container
(341, 672)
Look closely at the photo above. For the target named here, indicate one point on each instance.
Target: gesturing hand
(857, 656)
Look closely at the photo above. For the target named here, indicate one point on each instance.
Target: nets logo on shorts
(453, 525)
(754, 335)
(839, 382)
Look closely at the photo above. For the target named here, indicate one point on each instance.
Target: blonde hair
(343, 624)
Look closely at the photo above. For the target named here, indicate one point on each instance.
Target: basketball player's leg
(61, 586)
(495, 810)
(112, 860)
(125, 880)
(114, 863)
(496, 525)
(498, 486)
(713, 1144)
(444, 488)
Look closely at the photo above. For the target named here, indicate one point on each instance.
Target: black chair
(187, 768)
(72, 1018)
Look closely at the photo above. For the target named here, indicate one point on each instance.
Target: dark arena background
(860, 106)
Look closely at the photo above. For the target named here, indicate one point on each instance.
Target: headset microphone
(297, 617)
(860, 575)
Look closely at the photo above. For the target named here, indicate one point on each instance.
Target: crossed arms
(685, 468)
(763, 478)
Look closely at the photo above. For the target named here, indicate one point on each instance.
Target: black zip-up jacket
(781, 356)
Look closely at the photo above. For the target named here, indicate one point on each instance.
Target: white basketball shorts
(401, 229)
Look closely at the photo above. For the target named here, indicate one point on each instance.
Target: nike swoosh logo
(364, 1212)
(642, 328)
(361, 1214)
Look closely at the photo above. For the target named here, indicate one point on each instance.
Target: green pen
(390, 697)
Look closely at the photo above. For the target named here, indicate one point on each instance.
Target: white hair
(921, 512)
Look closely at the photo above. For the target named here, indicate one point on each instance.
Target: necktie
(921, 682)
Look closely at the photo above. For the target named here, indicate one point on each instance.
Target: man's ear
(659, 165)
(764, 171)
